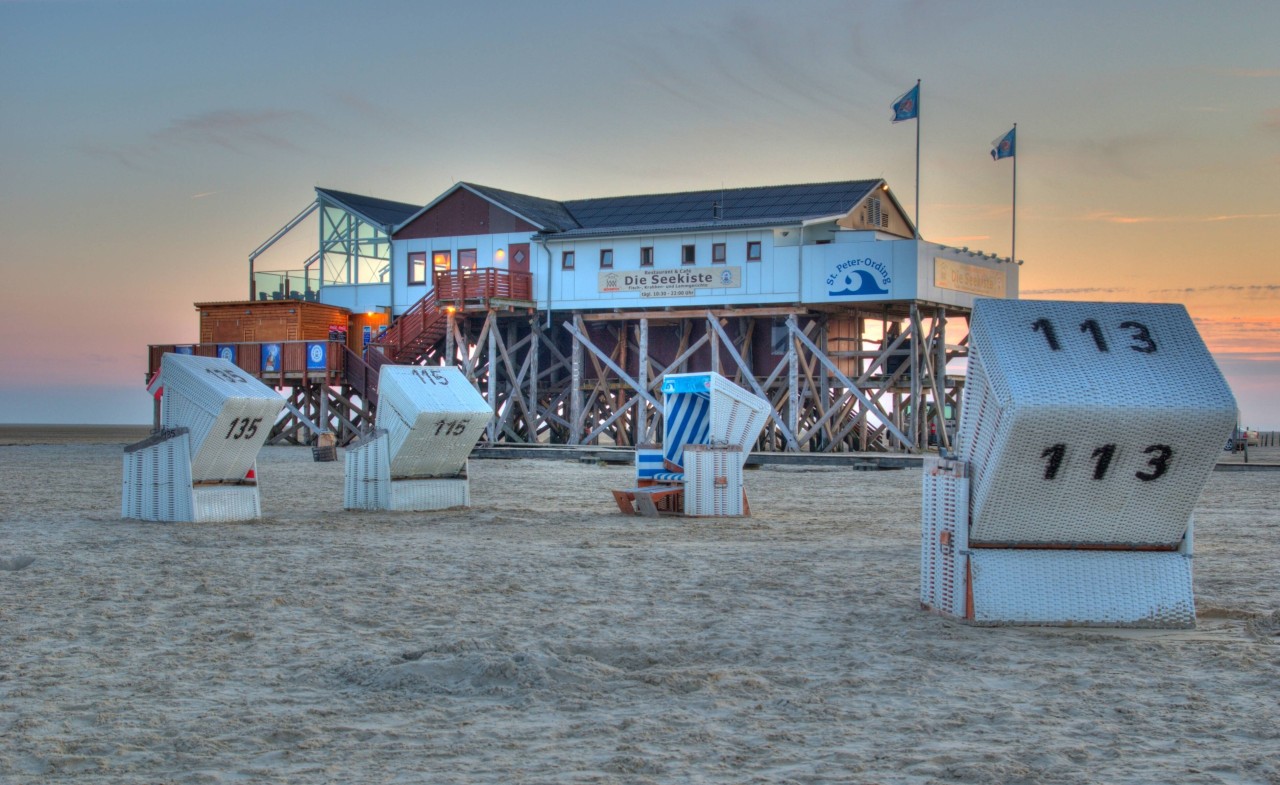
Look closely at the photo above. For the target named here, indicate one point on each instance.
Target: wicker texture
(1107, 439)
(228, 413)
(1098, 588)
(438, 494)
(433, 418)
(158, 487)
(368, 473)
(1090, 427)
(943, 540)
(712, 481)
(157, 479)
(225, 503)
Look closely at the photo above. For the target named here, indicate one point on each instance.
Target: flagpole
(917, 159)
(1013, 250)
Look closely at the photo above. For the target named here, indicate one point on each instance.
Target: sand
(540, 637)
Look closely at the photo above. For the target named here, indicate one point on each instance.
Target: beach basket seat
(1086, 435)
(202, 465)
(706, 414)
(429, 419)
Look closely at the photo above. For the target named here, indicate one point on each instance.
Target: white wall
(761, 282)
(854, 266)
(485, 246)
(357, 298)
(857, 269)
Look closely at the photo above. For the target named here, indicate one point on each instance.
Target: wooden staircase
(410, 339)
(413, 335)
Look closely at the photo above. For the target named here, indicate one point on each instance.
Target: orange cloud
(1114, 218)
(1257, 338)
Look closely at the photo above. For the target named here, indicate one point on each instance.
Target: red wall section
(463, 213)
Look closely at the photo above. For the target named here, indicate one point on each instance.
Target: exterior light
(449, 309)
(884, 186)
(499, 255)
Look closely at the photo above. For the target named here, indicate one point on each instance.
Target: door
(518, 258)
(518, 262)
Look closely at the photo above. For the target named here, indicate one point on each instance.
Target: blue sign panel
(227, 351)
(270, 357)
(317, 356)
(184, 350)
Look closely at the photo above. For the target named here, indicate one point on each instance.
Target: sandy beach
(541, 637)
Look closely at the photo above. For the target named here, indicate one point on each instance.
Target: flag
(907, 107)
(1005, 146)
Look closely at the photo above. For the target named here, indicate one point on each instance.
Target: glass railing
(286, 285)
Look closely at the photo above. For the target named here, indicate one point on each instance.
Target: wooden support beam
(755, 386)
(846, 381)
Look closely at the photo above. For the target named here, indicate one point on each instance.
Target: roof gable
(462, 211)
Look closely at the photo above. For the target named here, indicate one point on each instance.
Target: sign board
(677, 282)
(961, 277)
(270, 357)
(317, 356)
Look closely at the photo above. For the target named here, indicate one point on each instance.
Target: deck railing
(274, 362)
(483, 285)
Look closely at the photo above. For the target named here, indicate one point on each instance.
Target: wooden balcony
(480, 289)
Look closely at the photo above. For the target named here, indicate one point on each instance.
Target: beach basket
(709, 414)
(201, 466)
(429, 419)
(1086, 435)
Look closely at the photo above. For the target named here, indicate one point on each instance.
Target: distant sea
(11, 434)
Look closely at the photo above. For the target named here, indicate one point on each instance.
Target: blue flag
(907, 107)
(1005, 146)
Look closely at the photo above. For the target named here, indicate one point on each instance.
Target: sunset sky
(147, 147)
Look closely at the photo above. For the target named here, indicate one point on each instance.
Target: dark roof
(739, 208)
(383, 212)
(768, 204)
(548, 215)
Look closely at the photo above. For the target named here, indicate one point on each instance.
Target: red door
(518, 258)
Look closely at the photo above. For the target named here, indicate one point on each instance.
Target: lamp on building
(499, 255)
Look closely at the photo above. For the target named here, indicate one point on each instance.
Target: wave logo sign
(859, 277)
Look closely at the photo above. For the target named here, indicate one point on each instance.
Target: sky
(146, 148)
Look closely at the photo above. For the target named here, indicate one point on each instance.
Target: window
(689, 255)
(606, 258)
(717, 253)
(566, 260)
(876, 215)
(441, 261)
(753, 251)
(467, 259)
(646, 256)
(417, 267)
